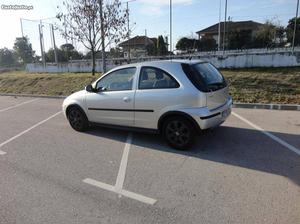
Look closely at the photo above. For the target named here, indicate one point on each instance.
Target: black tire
(77, 119)
(178, 132)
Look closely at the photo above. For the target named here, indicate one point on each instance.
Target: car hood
(75, 98)
(77, 95)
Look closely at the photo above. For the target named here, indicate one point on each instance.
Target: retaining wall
(232, 60)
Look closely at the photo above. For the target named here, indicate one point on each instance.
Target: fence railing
(200, 54)
(277, 57)
(195, 55)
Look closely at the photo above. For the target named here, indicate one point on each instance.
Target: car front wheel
(77, 119)
(178, 133)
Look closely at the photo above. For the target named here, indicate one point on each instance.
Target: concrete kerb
(32, 95)
(267, 106)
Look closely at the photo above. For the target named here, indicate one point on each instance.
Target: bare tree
(94, 23)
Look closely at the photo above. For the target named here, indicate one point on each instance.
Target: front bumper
(64, 108)
(210, 118)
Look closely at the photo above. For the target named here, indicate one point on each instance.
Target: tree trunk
(103, 57)
(102, 38)
(93, 61)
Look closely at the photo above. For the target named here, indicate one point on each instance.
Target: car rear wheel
(77, 119)
(178, 132)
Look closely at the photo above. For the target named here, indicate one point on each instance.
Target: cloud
(155, 7)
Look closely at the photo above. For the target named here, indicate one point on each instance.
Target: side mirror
(89, 88)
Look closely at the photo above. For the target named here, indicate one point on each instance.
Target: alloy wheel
(76, 119)
(178, 133)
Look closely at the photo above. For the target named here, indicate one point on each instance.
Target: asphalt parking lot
(246, 171)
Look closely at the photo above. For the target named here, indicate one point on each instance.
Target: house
(213, 31)
(137, 46)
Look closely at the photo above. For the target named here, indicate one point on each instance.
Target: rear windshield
(204, 76)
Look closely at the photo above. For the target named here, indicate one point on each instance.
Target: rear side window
(155, 78)
(204, 76)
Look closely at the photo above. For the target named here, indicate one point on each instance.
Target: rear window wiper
(216, 85)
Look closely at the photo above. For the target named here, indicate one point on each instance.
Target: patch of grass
(260, 85)
(264, 85)
(44, 83)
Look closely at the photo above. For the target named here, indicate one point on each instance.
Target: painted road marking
(20, 104)
(2, 153)
(96, 183)
(122, 192)
(118, 188)
(275, 138)
(29, 129)
(138, 197)
(123, 165)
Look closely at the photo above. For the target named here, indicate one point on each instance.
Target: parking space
(234, 174)
(8, 102)
(20, 118)
(284, 124)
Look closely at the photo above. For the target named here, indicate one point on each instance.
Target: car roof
(163, 63)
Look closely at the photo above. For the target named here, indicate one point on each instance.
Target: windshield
(204, 76)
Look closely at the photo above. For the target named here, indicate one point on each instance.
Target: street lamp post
(170, 28)
(295, 27)
(128, 28)
(21, 27)
(219, 29)
(41, 37)
(42, 43)
(224, 32)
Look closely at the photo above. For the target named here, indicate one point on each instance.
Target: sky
(189, 16)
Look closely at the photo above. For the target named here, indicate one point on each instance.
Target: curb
(294, 107)
(32, 95)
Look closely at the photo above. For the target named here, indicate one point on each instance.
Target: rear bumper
(210, 118)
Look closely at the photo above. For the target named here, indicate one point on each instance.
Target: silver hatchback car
(173, 98)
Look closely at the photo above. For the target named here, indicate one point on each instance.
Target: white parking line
(123, 192)
(123, 165)
(138, 197)
(96, 183)
(20, 104)
(118, 188)
(27, 130)
(275, 138)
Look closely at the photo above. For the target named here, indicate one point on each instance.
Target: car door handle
(126, 99)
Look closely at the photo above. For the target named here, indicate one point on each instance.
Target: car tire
(178, 132)
(77, 119)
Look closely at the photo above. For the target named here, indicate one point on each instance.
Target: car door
(113, 99)
(156, 91)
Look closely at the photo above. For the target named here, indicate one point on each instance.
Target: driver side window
(117, 80)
